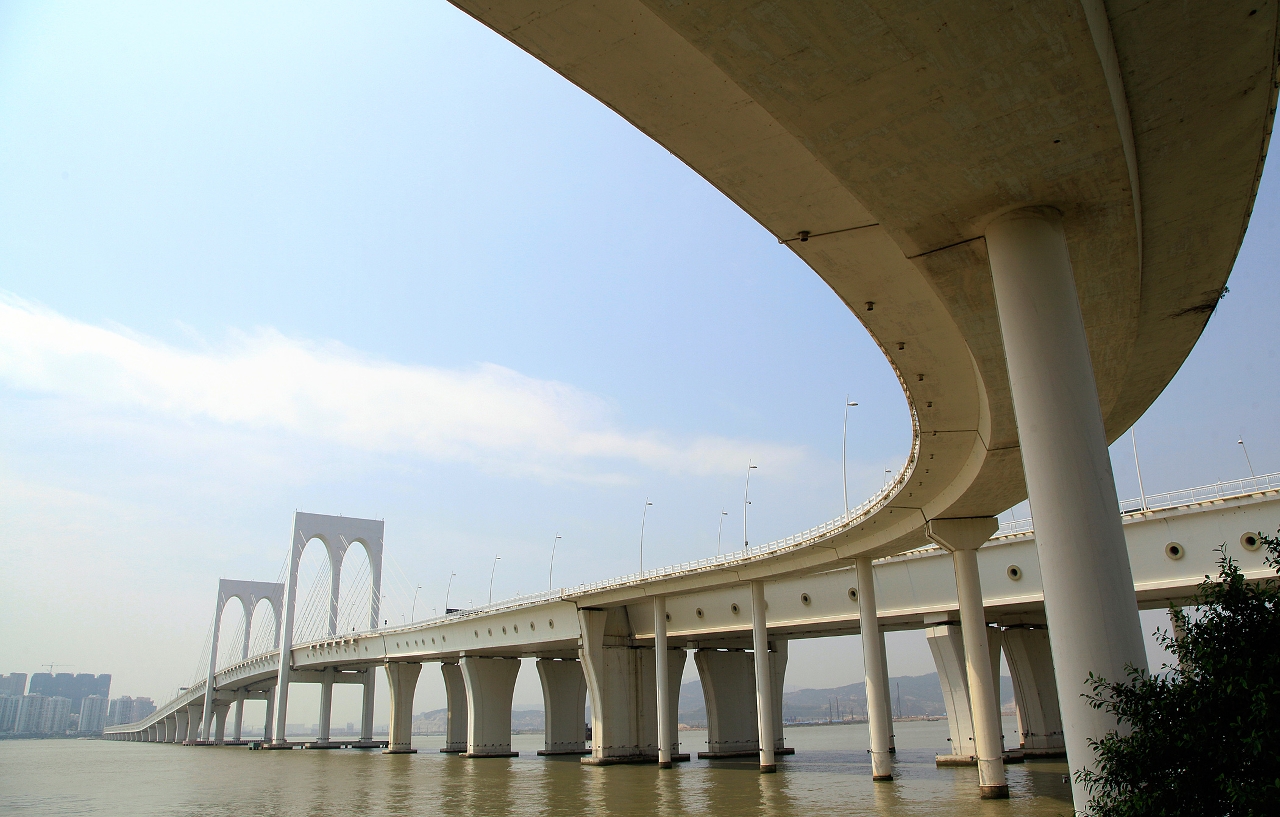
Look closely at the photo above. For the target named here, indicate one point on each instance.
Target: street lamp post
(1240, 442)
(745, 502)
(552, 569)
(723, 514)
(1142, 492)
(644, 514)
(492, 570)
(447, 591)
(844, 454)
(414, 606)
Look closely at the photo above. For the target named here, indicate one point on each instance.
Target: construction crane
(51, 666)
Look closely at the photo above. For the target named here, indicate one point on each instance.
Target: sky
(376, 261)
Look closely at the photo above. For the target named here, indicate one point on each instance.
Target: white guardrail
(1172, 499)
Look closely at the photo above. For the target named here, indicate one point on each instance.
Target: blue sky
(379, 262)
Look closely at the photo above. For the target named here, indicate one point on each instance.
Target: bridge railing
(1229, 489)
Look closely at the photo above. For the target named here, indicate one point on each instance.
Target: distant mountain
(913, 696)
(433, 722)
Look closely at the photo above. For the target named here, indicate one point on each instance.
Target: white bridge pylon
(248, 594)
(337, 534)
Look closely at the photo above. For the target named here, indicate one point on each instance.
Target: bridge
(1032, 208)
(601, 640)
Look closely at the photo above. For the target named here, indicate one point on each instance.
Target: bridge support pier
(180, 726)
(564, 704)
(162, 730)
(622, 683)
(402, 681)
(666, 725)
(326, 712)
(764, 678)
(220, 711)
(366, 709)
(237, 725)
(490, 683)
(1084, 563)
(728, 689)
(1034, 691)
(963, 537)
(455, 692)
(946, 642)
(270, 719)
(193, 725)
(876, 669)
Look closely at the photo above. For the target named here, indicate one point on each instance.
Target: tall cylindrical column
(982, 691)
(1088, 585)
(876, 672)
(764, 677)
(326, 707)
(660, 674)
(366, 711)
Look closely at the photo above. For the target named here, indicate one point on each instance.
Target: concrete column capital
(961, 534)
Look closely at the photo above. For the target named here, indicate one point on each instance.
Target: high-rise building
(14, 684)
(127, 710)
(30, 714)
(93, 714)
(120, 711)
(142, 707)
(57, 713)
(9, 712)
(73, 687)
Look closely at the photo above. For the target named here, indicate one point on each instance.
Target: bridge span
(599, 641)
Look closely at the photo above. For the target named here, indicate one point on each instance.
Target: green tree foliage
(1202, 738)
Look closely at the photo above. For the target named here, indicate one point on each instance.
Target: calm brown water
(829, 774)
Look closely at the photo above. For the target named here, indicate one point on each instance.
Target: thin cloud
(486, 414)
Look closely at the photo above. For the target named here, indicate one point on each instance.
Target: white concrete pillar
(1084, 564)
(284, 638)
(564, 706)
(665, 726)
(676, 657)
(876, 673)
(368, 689)
(269, 720)
(622, 684)
(193, 724)
(402, 681)
(455, 693)
(180, 726)
(326, 708)
(963, 537)
(729, 692)
(209, 686)
(335, 584)
(764, 677)
(220, 711)
(238, 724)
(946, 643)
(1034, 691)
(490, 684)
